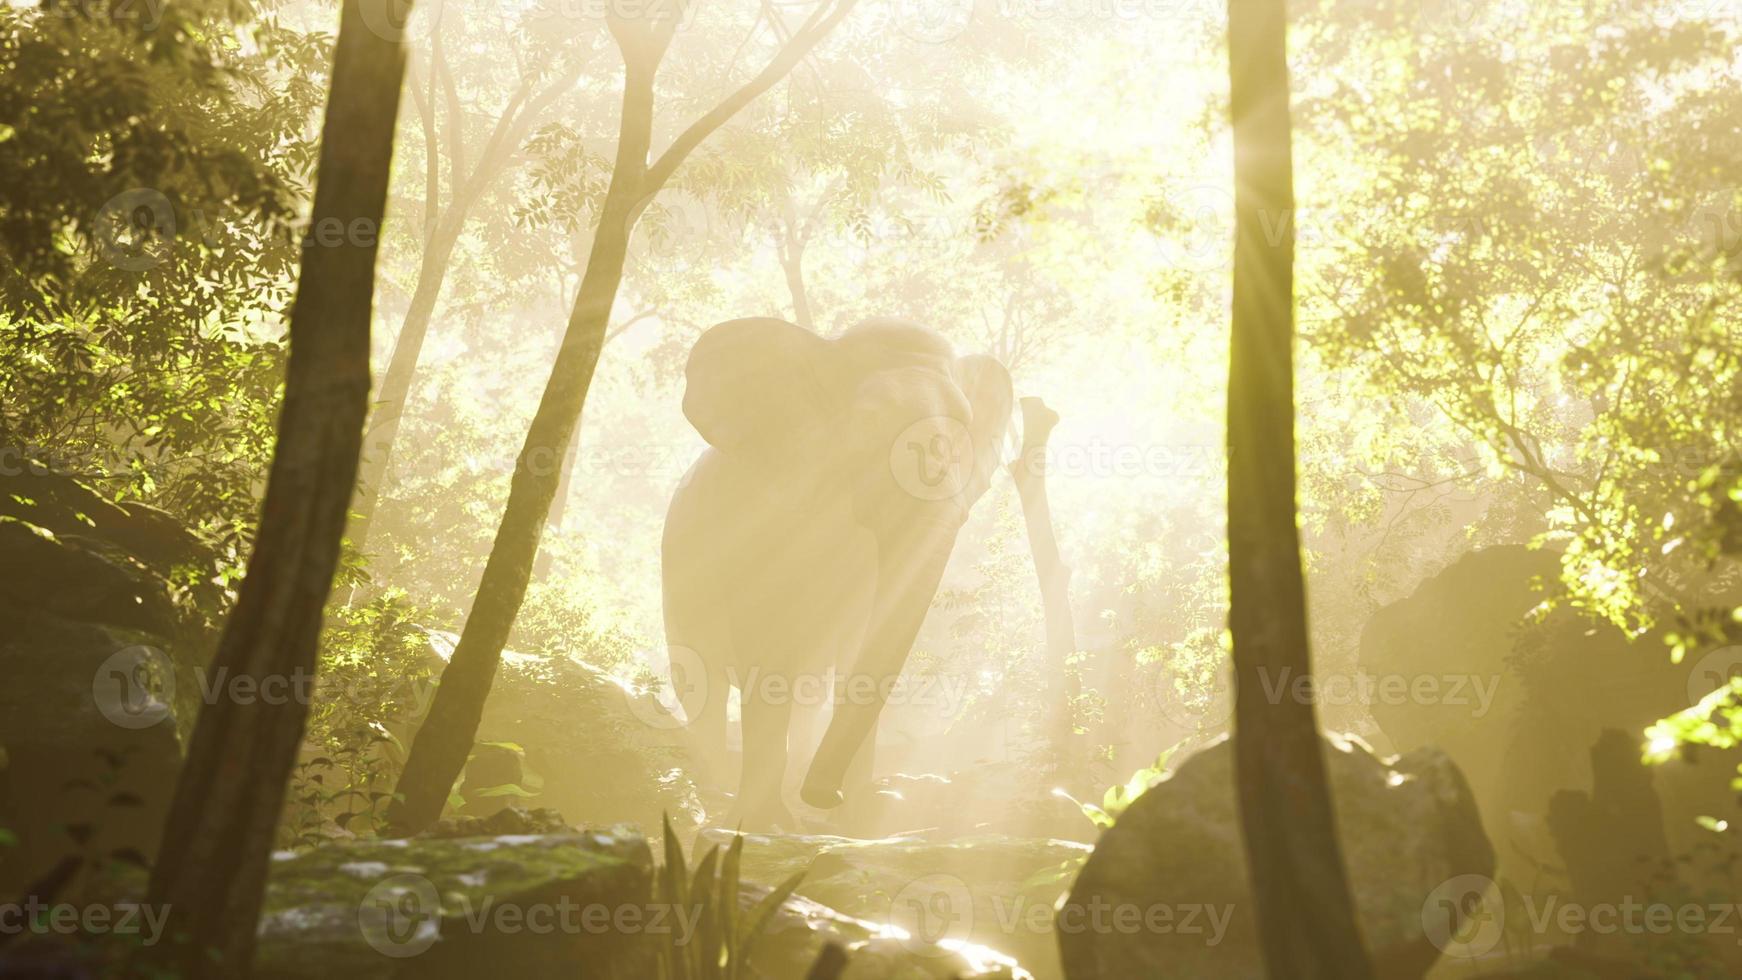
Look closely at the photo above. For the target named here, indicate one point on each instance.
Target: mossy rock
(1166, 891)
(515, 905)
(592, 747)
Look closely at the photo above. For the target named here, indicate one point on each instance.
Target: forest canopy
(482, 371)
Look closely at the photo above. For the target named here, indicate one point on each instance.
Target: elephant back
(764, 388)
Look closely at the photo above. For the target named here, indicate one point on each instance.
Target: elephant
(809, 538)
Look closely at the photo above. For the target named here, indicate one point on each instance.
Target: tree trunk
(442, 234)
(211, 874)
(444, 740)
(791, 251)
(439, 751)
(1029, 471)
(401, 371)
(1305, 916)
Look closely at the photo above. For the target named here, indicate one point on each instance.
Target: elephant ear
(991, 398)
(760, 386)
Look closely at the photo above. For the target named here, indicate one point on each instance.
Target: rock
(1611, 838)
(1004, 799)
(985, 894)
(509, 820)
(531, 906)
(102, 651)
(493, 770)
(1517, 703)
(467, 907)
(591, 747)
(1165, 892)
(798, 933)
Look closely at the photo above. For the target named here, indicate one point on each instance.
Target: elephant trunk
(910, 566)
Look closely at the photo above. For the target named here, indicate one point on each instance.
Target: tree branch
(815, 28)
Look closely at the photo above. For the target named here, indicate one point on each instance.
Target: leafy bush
(719, 948)
(375, 668)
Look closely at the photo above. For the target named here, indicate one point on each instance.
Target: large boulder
(983, 892)
(103, 643)
(585, 743)
(1517, 699)
(1165, 892)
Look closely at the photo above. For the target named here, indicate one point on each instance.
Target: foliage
(725, 932)
(374, 676)
(1715, 722)
(1117, 799)
(149, 236)
(1550, 276)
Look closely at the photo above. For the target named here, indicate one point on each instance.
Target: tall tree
(443, 223)
(1306, 918)
(211, 873)
(444, 741)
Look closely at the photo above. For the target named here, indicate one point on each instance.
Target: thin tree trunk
(442, 236)
(443, 742)
(401, 371)
(571, 459)
(1029, 471)
(1306, 918)
(791, 252)
(211, 873)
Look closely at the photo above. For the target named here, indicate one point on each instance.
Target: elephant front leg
(910, 566)
(766, 720)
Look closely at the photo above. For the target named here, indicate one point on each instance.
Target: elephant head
(886, 414)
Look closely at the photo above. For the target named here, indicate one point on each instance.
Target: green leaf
(763, 912)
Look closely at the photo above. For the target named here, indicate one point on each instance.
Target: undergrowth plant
(719, 946)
